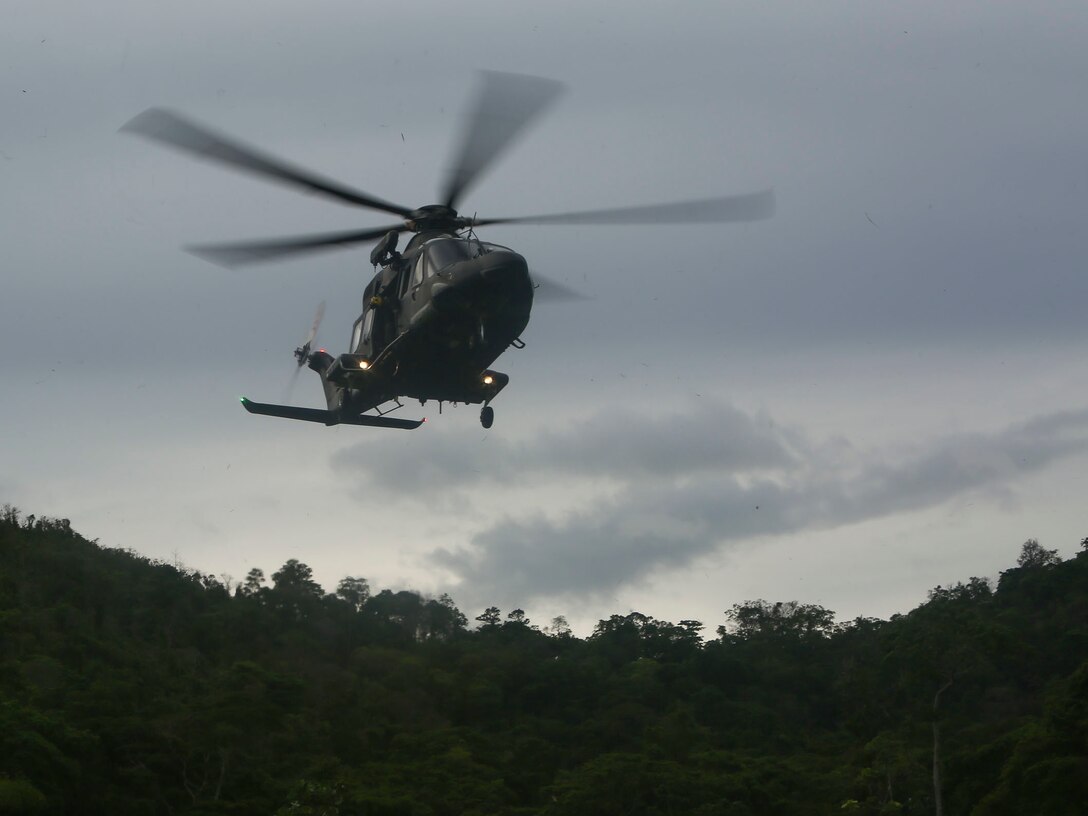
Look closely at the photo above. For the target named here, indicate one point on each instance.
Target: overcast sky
(879, 390)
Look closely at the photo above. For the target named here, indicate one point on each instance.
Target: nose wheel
(487, 416)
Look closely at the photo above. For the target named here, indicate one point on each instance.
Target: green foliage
(781, 619)
(19, 798)
(1048, 769)
(128, 685)
(1034, 555)
(490, 617)
(254, 581)
(354, 591)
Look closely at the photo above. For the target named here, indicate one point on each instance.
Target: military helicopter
(436, 315)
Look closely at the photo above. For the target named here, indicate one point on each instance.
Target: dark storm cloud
(667, 518)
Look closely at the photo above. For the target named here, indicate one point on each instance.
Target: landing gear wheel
(487, 416)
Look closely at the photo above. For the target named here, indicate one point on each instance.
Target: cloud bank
(685, 486)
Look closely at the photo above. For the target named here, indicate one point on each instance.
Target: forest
(133, 686)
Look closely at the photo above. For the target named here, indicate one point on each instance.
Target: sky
(880, 390)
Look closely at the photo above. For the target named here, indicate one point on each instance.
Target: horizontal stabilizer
(328, 417)
(381, 421)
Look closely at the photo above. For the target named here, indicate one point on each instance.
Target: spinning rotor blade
(504, 106)
(749, 207)
(547, 290)
(289, 390)
(303, 352)
(318, 315)
(277, 248)
(176, 131)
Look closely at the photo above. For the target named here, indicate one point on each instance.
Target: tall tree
(253, 583)
(353, 591)
(1033, 555)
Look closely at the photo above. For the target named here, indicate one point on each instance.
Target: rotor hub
(434, 217)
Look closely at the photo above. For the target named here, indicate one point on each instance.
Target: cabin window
(395, 284)
(356, 335)
(368, 324)
(417, 271)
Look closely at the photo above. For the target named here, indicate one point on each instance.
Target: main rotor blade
(504, 106)
(545, 289)
(277, 248)
(750, 207)
(183, 134)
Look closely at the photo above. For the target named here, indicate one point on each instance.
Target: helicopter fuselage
(434, 319)
(437, 316)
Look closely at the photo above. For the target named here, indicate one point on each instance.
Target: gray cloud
(668, 518)
(708, 437)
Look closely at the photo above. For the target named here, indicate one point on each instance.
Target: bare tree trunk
(937, 801)
(222, 774)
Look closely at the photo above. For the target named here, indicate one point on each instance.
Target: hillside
(132, 686)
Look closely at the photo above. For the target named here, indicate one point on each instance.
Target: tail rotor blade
(318, 316)
(289, 390)
(302, 353)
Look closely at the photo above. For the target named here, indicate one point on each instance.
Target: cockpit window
(442, 252)
(445, 251)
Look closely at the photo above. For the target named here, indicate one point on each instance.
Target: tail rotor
(302, 353)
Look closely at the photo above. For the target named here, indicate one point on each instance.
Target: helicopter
(436, 315)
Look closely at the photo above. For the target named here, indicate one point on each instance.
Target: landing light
(488, 379)
(364, 364)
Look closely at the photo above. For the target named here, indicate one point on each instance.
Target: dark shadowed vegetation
(132, 686)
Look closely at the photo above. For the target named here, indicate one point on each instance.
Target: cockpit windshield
(442, 252)
(445, 251)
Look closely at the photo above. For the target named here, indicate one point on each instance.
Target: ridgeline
(132, 686)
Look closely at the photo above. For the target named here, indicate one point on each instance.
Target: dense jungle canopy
(132, 686)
